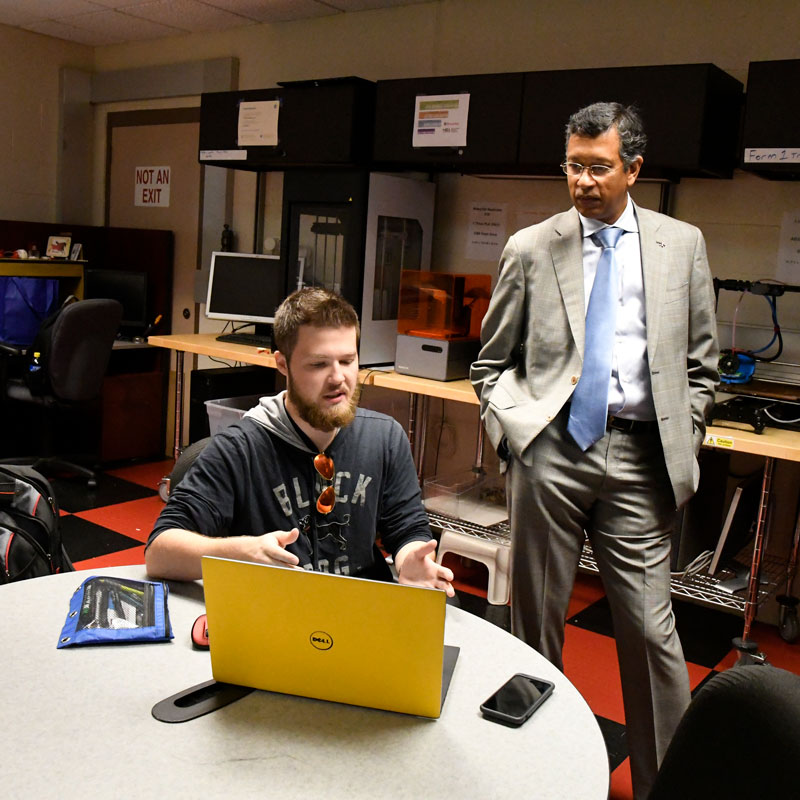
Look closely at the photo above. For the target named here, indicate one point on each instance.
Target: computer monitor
(245, 287)
(127, 286)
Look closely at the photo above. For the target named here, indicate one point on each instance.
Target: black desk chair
(80, 347)
(739, 738)
(184, 462)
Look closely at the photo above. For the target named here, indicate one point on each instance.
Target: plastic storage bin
(228, 410)
(473, 497)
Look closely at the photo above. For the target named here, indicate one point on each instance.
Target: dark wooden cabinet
(320, 123)
(771, 128)
(135, 249)
(492, 127)
(515, 122)
(691, 113)
(133, 402)
(132, 407)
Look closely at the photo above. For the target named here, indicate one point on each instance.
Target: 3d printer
(737, 365)
(759, 403)
(439, 323)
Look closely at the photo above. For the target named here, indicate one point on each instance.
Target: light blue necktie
(589, 407)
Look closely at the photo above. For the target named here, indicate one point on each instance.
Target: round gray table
(77, 722)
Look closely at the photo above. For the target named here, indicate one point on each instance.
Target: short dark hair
(598, 118)
(310, 306)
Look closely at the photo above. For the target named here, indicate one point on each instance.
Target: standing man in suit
(594, 392)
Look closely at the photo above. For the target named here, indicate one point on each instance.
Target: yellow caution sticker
(713, 440)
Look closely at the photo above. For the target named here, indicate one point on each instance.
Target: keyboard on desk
(252, 339)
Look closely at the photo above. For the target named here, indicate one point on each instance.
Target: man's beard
(324, 419)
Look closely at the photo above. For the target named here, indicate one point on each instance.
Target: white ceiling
(103, 22)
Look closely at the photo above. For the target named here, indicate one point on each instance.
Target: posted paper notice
(441, 120)
(487, 231)
(258, 123)
(789, 248)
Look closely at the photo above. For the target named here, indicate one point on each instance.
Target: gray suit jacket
(533, 336)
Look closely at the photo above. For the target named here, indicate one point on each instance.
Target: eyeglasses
(597, 171)
(327, 499)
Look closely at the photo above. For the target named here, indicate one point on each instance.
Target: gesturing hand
(416, 566)
(270, 548)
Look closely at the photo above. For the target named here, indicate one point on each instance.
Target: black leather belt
(631, 425)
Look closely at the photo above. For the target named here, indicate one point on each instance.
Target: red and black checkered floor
(109, 526)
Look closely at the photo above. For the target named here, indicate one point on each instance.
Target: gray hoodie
(258, 476)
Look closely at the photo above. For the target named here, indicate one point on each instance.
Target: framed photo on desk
(58, 246)
(75, 252)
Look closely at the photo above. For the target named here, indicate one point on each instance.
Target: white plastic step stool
(494, 553)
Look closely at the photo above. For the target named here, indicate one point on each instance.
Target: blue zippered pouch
(107, 610)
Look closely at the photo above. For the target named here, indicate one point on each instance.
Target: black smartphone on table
(517, 699)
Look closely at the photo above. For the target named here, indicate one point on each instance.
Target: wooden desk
(45, 268)
(206, 344)
(772, 443)
(95, 722)
(461, 391)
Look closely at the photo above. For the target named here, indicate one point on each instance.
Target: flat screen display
(127, 286)
(245, 287)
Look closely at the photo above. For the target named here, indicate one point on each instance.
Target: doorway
(154, 181)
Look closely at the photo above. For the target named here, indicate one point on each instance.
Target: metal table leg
(178, 444)
(412, 422)
(477, 467)
(417, 423)
(748, 650)
(422, 406)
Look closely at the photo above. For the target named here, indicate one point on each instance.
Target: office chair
(83, 334)
(184, 462)
(739, 738)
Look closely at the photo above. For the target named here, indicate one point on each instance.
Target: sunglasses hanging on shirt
(323, 464)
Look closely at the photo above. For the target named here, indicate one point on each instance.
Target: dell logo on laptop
(321, 640)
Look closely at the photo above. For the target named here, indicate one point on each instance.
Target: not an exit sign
(151, 186)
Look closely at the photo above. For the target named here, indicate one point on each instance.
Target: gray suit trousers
(619, 493)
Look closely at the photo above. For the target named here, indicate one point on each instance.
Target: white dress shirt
(630, 394)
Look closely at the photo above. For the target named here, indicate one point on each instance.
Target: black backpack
(30, 539)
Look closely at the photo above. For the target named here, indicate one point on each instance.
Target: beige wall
(463, 36)
(29, 121)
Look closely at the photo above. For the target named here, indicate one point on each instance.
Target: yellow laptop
(331, 637)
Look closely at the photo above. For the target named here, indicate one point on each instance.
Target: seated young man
(306, 478)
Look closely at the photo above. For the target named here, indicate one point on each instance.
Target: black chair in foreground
(73, 365)
(739, 738)
(184, 462)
